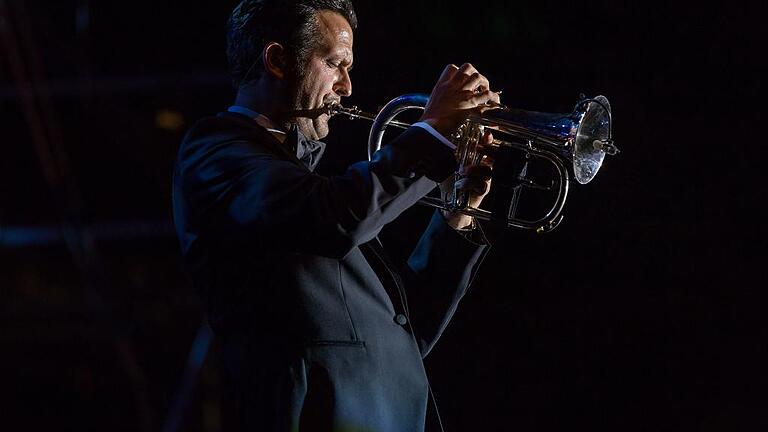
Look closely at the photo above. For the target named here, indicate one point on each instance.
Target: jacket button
(401, 319)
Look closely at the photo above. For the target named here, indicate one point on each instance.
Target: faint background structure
(643, 311)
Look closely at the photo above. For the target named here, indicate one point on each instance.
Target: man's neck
(259, 99)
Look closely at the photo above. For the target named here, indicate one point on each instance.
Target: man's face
(326, 74)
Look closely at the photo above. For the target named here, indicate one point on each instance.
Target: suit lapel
(388, 274)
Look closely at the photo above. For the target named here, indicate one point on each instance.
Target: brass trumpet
(575, 144)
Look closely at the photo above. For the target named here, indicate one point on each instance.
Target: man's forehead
(336, 28)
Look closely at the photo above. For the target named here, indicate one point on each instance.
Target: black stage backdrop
(643, 311)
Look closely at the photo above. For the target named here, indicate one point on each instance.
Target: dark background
(643, 311)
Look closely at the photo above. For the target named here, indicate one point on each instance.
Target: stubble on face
(315, 85)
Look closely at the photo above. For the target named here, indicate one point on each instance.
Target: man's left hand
(476, 181)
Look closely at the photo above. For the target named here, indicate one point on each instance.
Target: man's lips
(311, 113)
(315, 113)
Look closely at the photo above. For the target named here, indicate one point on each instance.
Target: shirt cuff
(436, 134)
(473, 233)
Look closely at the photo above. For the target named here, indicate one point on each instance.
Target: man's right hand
(460, 92)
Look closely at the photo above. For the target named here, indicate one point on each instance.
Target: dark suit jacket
(312, 317)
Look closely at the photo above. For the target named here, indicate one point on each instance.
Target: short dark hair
(291, 23)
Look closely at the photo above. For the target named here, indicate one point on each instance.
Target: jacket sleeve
(437, 275)
(241, 191)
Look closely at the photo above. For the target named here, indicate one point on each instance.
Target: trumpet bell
(583, 136)
(593, 140)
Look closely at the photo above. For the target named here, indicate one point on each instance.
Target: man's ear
(274, 59)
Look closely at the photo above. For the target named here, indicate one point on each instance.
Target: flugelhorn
(575, 144)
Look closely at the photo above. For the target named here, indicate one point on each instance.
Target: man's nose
(343, 87)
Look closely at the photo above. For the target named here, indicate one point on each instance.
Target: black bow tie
(308, 151)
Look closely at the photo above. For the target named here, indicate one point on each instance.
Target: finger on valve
(477, 82)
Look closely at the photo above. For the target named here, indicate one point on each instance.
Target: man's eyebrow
(344, 60)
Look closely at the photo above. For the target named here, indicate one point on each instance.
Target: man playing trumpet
(318, 328)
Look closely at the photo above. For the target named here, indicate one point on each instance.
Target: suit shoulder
(224, 127)
(219, 131)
